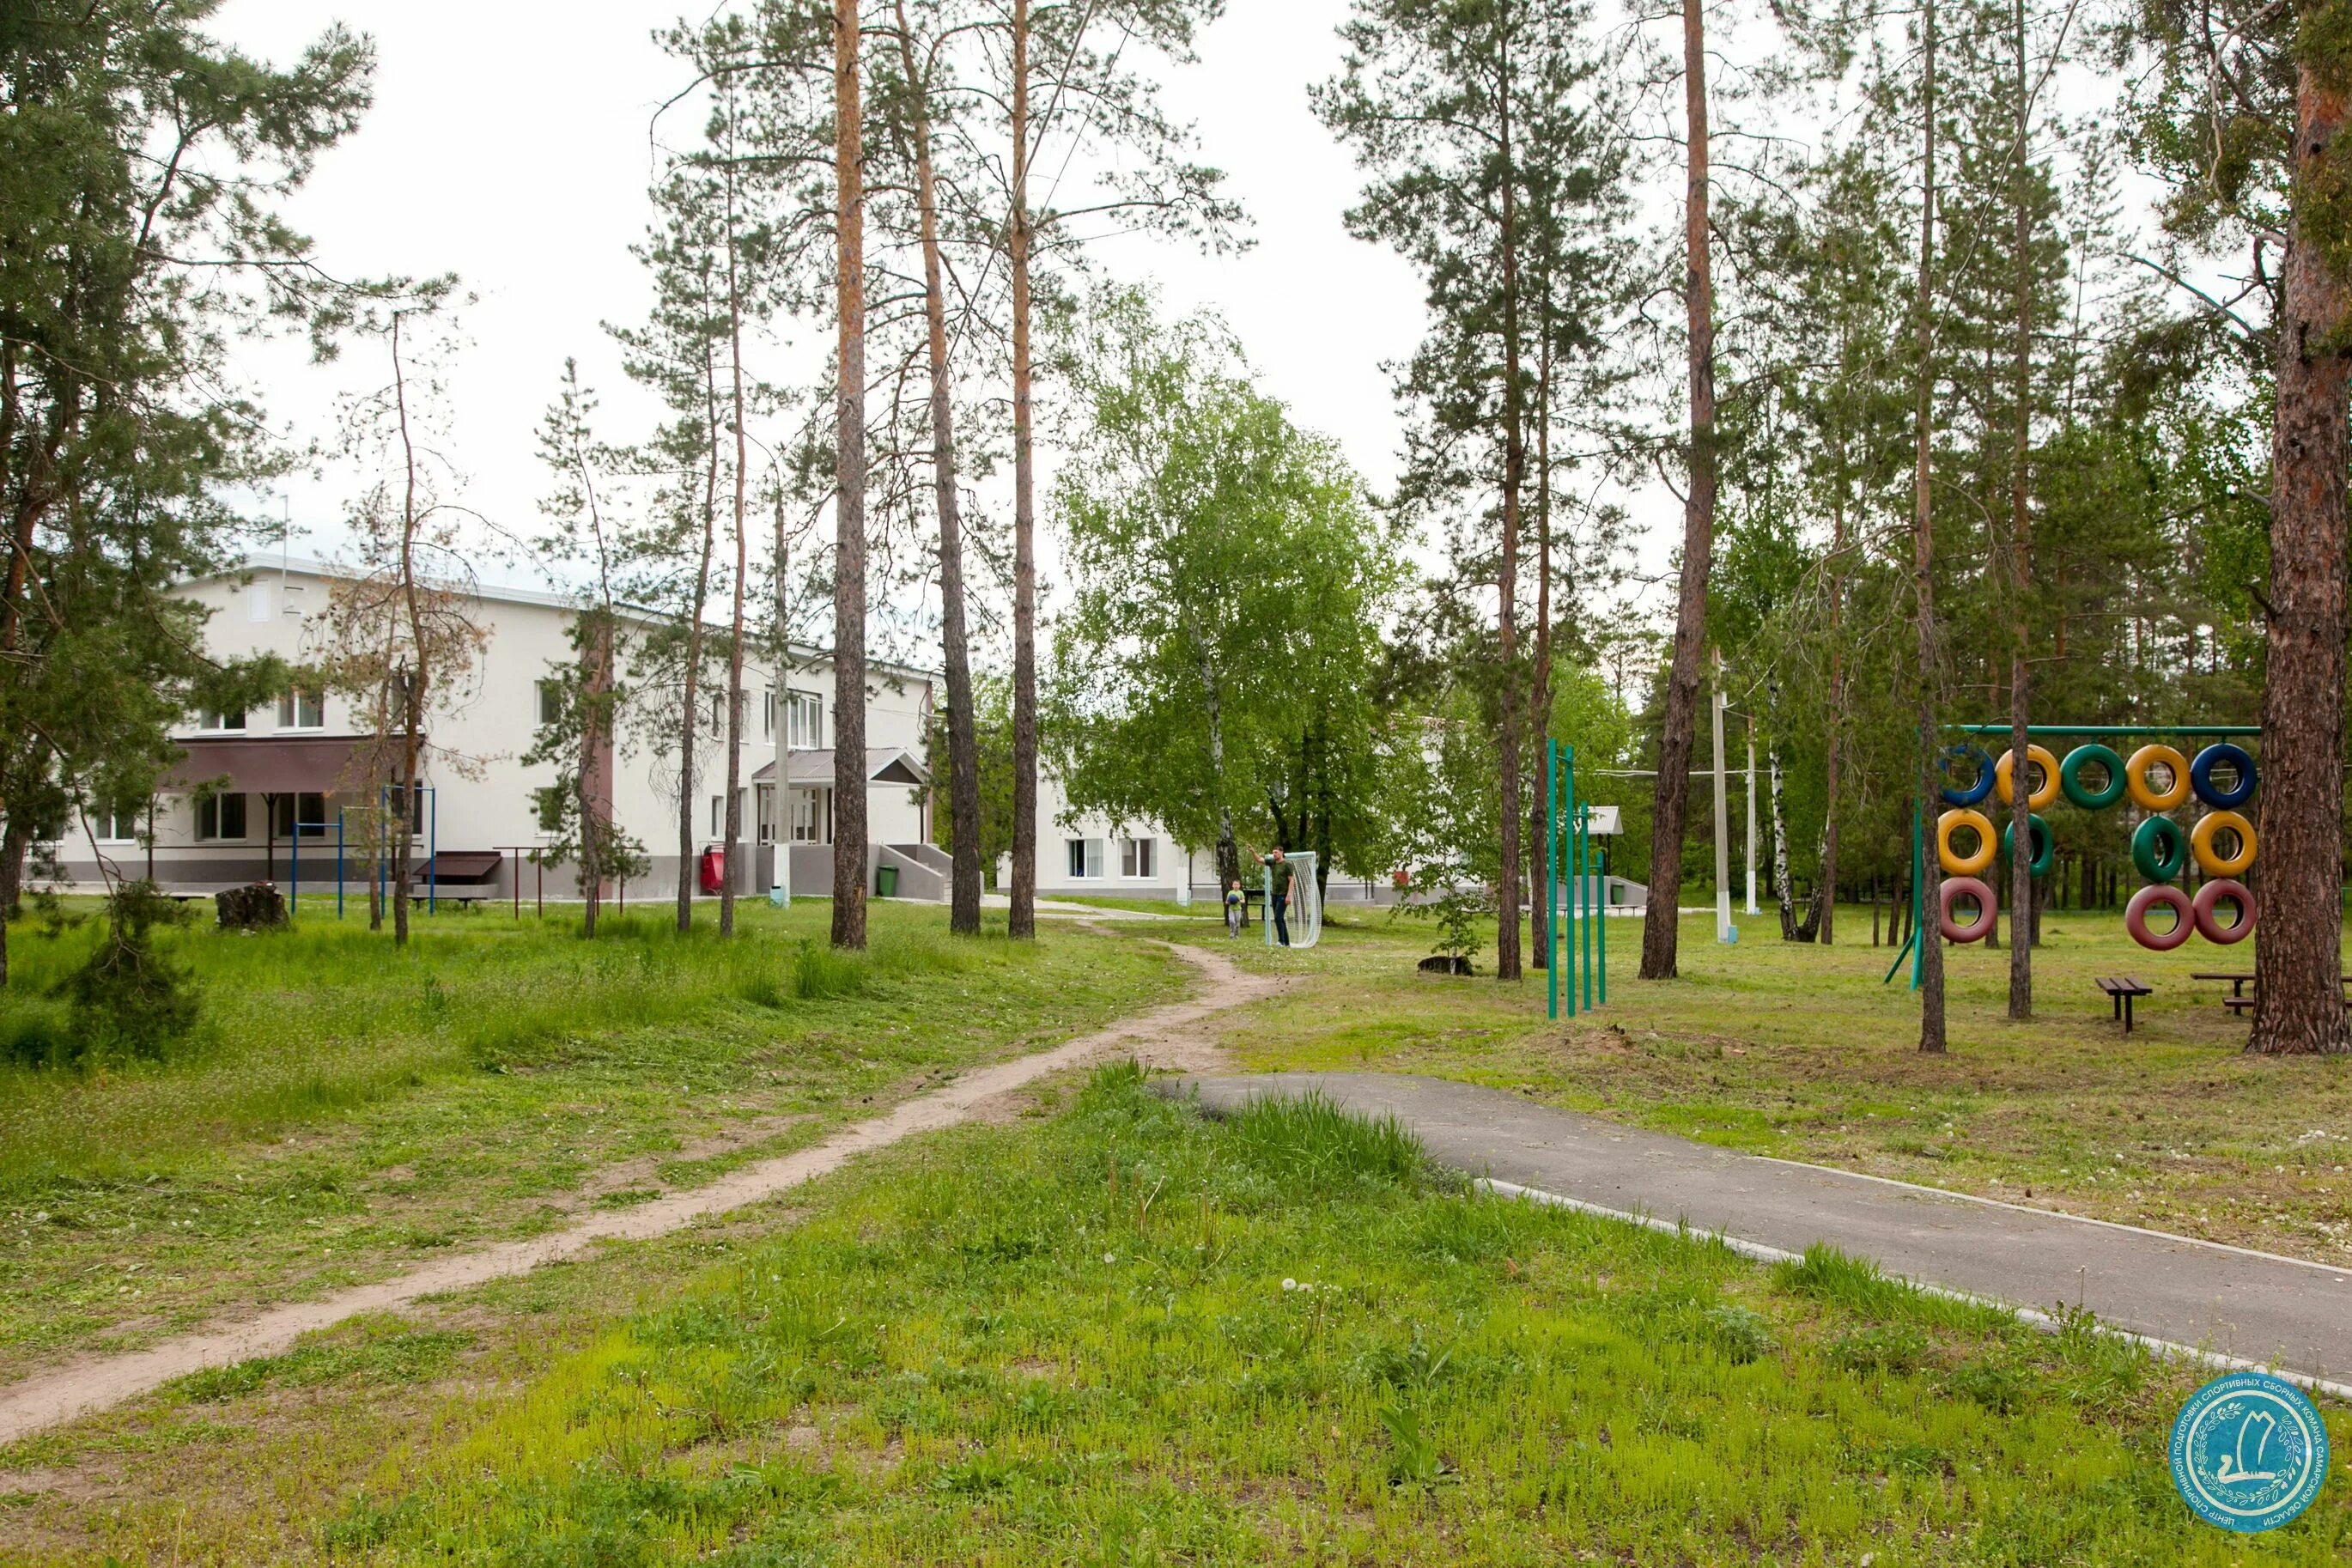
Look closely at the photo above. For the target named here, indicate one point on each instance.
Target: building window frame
(221, 818)
(301, 709)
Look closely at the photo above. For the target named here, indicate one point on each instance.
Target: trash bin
(886, 881)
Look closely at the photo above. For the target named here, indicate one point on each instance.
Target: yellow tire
(1988, 845)
(2144, 794)
(2036, 757)
(2211, 825)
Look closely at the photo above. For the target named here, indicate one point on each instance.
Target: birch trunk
(849, 491)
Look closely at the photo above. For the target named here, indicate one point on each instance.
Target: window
(765, 829)
(717, 814)
(216, 719)
(768, 712)
(304, 814)
(220, 817)
(1085, 857)
(300, 709)
(256, 603)
(551, 701)
(1138, 858)
(117, 821)
(804, 717)
(547, 804)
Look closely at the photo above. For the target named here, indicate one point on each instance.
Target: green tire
(2159, 849)
(2045, 847)
(2070, 776)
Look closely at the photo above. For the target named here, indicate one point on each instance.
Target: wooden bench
(2121, 990)
(2238, 982)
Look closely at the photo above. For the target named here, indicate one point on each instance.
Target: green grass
(1800, 1052)
(348, 1107)
(1123, 1334)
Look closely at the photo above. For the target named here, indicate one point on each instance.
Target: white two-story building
(279, 782)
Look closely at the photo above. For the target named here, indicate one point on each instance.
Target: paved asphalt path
(2223, 1302)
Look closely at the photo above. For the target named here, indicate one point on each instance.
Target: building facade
(264, 795)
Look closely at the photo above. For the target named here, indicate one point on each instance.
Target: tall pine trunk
(849, 491)
(1514, 459)
(412, 706)
(1669, 804)
(742, 555)
(1928, 927)
(1023, 920)
(2021, 809)
(1540, 702)
(2299, 1007)
(690, 721)
(964, 741)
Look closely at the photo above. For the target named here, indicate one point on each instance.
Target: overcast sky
(509, 143)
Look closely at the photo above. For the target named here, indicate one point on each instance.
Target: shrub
(130, 996)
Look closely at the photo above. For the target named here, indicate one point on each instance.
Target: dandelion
(1110, 1257)
(1290, 1284)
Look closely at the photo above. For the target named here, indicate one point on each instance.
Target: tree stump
(258, 907)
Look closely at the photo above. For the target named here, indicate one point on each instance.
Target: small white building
(283, 774)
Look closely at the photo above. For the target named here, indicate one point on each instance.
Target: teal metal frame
(1567, 850)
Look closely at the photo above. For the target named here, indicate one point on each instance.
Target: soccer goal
(1304, 916)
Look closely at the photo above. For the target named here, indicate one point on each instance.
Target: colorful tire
(2211, 825)
(2070, 776)
(2200, 774)
(2184, 920)
(1982, 786)
(2144, 794)
(2043, 793)
(1954, 865)
(2046, 847)
(2160, 850)
(2213, 893)
(1955, 888)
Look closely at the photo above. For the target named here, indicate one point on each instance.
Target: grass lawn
(1118, 1333)
(347, 1108)
(1800, 1052)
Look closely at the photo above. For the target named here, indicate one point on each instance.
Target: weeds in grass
(975, 1371)
(1311, 1144)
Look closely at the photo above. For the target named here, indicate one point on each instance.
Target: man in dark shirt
(1278, 873)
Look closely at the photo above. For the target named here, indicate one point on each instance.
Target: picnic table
(2237, 1001)
(2121, 990)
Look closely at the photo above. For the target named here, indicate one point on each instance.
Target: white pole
(1724, 930)
(1751, 814)
(779, 883)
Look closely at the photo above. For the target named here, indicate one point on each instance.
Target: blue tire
(1977, 791)
(2200, 774)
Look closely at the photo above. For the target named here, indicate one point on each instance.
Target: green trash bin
(886, 881)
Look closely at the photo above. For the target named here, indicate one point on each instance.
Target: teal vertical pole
(1552, 878)
(1601, 933)
(294, 856)
(1918, 902)
(339, 863)
(1584, 882)
(1567, 825)
(1266, 872)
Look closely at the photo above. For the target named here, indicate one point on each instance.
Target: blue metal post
(294, 861)
(433, 852)
(1584, 885)
(338, 862)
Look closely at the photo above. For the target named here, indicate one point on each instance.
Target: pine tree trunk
(742, 557)
(964, 741)
(849, 491)
(690, 722)
(2021, 809)
(1023, 920)
(15, 843)
(1669, 804)
(1539, 704)
(1923, 562)
(1514, 459)
(2298, 1006)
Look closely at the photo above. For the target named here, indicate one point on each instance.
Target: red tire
(1955, 889)
(2211, 894)
(2184, 921)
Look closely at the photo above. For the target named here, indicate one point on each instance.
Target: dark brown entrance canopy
(272, 765)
